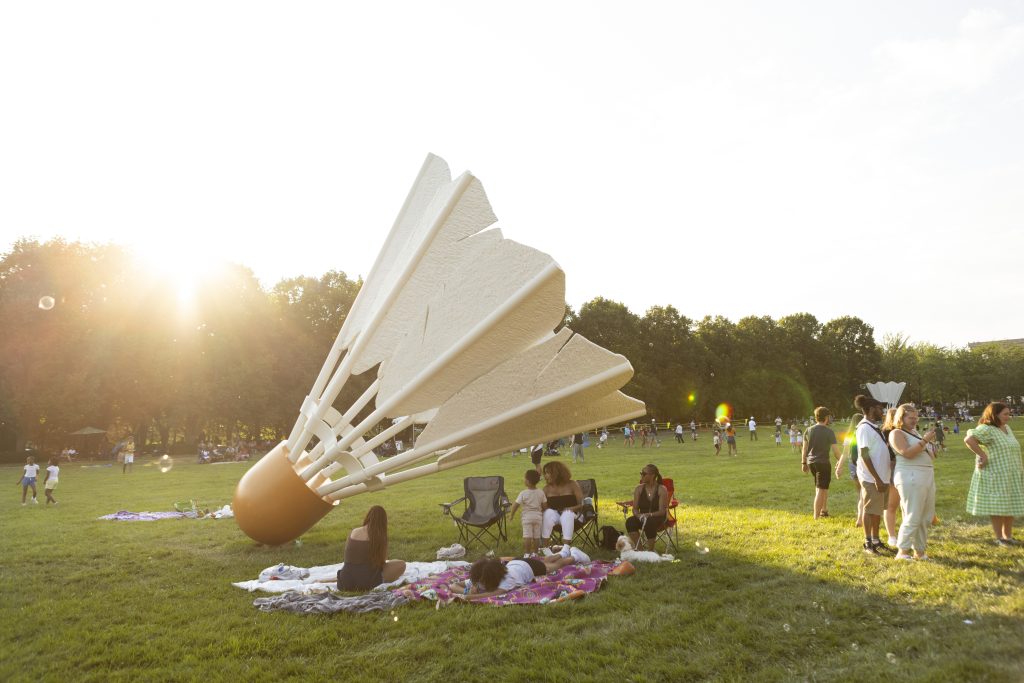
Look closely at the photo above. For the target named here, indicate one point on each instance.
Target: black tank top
(561, 502)
(650, 504)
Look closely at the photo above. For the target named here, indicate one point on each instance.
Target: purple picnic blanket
(542, 590)
(126, 516)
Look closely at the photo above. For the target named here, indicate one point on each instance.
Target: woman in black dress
(366, 551)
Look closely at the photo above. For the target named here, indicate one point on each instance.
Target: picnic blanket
(330, 603)
(567, 583)
(279, 578)
(126, 516)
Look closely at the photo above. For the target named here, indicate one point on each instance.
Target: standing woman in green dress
(997, 488)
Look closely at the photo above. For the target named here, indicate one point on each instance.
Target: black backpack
(608, 535)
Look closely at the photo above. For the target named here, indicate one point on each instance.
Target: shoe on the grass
(904, 556)
(882, 547)
(869, 548)
(1004, 543)
(579, 556)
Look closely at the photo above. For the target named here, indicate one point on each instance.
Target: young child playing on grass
(28, 480)
(778, 436)
(490, 576)
(717, 441)
(532, 500)
(50, 482)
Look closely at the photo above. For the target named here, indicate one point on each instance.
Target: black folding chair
(585, 531)
(484, 510)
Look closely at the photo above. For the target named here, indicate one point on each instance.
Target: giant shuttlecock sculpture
(888, 392)
(460, 324)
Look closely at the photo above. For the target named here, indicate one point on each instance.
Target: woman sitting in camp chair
(565, 501)
(650, 507)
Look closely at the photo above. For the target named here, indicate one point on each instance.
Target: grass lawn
(778, 597)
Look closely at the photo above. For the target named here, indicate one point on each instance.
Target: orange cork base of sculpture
(272, 504)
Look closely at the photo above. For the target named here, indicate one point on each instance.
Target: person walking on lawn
(819, 444)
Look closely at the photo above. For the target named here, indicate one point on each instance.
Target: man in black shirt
(819, 442)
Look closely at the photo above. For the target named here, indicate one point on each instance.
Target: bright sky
(728, 158)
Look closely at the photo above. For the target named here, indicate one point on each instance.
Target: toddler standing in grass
(532, 500)
(50, 483)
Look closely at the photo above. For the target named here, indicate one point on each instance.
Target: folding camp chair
(669, 530)
(585, 531)
(484, 510)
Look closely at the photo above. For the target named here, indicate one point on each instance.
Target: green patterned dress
(998, 489)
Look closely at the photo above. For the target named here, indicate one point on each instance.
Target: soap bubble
(47, 302)
(786, 628)
(854, 646)
(165, 463)
(891, 657)
(395, 618)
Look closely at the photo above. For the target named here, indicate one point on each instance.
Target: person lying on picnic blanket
(491, 576)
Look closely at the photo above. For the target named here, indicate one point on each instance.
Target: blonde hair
(901, 413)
(888, 425)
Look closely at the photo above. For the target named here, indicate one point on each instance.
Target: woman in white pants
(565, 499)
(915, 480)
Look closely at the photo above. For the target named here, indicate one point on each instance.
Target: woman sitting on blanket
(490, 576)
(366, 551)
(565, 500)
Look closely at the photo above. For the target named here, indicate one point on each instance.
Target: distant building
(1000, 342)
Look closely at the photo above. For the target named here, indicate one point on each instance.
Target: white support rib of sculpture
(889, 392)
(458, 322)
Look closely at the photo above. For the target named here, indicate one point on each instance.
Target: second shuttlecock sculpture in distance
(459, 322)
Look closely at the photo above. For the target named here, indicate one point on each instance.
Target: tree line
(91, 337)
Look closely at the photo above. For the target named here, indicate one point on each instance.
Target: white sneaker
(36, 501)
(580, 556)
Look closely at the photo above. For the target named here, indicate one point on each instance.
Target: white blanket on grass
(325, 578)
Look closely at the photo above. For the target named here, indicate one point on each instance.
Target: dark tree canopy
(120, 348)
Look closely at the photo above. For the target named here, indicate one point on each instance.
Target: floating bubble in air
(165, 463)
(47, 302)
(891, 657)
(786, 628)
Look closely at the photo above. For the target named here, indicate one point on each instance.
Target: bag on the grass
(608, 535)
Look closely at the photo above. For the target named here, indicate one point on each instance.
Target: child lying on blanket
(491, 577)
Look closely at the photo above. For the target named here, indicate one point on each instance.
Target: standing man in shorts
(536, 453)
(819, 443)
(872, 469)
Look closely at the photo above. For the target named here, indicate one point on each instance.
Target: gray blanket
(330, 603)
